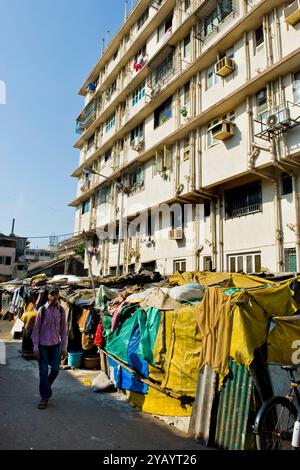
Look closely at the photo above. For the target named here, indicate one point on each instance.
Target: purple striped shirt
(52, 330)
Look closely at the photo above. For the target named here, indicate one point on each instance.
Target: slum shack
(199, 350)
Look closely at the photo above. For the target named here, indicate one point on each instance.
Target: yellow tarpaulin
(237, 324)
(208, 279)
(157, 403)
(284, 341)
(176, 354)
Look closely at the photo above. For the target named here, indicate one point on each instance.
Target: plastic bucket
(74, 359)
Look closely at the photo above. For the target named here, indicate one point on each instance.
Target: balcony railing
(86, 118)
(208, 23)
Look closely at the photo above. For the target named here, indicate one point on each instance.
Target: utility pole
(90, 264)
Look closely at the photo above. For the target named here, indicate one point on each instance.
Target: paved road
(76, 417)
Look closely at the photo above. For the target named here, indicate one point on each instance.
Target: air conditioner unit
(176, 234)
(278, 118)
(292, 13)
(222, 130)
(224, 67)
(137, 143)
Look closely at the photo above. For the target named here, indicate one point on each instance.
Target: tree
(80, 250)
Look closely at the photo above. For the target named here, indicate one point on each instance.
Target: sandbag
(101, 383)
(187, 292)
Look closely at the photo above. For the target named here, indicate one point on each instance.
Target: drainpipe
(247, 56)
(269, 42)
(213, 235)
(253, 153)
(221, 243)
(278, 34)
(193, 160)
(265, 30)
(178, 106)
(177, 167)
(278, 222)
(296, 197)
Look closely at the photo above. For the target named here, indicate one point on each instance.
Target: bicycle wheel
(274, 424)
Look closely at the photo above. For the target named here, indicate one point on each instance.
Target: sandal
(42, 404)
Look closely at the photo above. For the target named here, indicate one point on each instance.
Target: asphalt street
(76, 418)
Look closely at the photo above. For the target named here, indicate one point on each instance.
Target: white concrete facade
(154, 136)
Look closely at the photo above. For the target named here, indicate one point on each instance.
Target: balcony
(162, 71)
(211, 16)
(279, 121)
(86, 118)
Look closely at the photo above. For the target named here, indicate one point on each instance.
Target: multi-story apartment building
(194, 105)
(7, 257)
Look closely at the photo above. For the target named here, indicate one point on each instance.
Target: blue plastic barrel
(74, 359)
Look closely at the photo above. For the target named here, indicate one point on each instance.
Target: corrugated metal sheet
(202, 409)
(233, 411)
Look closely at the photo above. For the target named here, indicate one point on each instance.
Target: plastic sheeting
(156, 402)
(225, 279)
(126, 380)
(284, 340)
(176, 352)
(235, 326)
(135, 327)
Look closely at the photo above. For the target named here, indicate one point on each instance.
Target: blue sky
(47, 48)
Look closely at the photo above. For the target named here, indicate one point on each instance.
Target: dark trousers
(49, 356)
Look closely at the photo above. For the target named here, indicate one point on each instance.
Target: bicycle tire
(274, 424)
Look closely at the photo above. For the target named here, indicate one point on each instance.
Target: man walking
(49, 339)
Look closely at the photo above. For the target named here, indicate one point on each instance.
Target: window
(186, 154)
(111, 90)
(259, 36)
(166, 26)
(187, 46)
(243, 200)
(163, 113)
(186, 4)
(212, 78)
(137, 132)
(290, 260)
(143, 19)
(116, 235)
(177, 218)
(207, 208)
(286, 184)
(85, 207)
(179, 265)
(296, 87)
(111, 122)
(116, 54)
(104, 195)
(5, 260)
(90, 142)
(262, 105)
(186, 98)
(136, 177)
(107, 156)
(244, 263)
(138, 94)
(150, 226)
(207, 263)
(220, 12)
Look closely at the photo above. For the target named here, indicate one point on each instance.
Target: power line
(54, 236)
